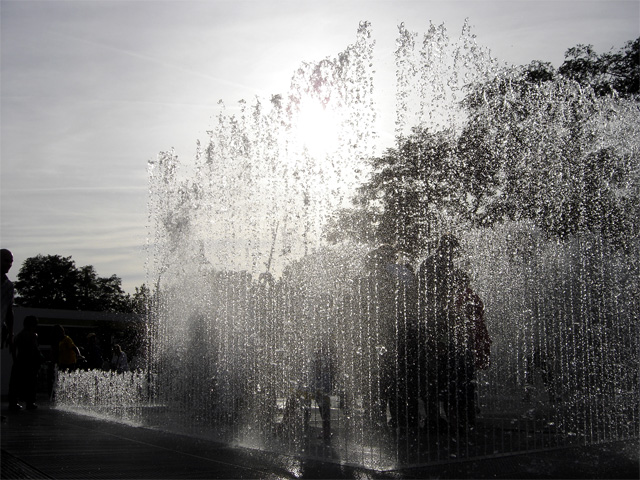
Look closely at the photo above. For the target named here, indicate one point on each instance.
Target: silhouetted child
(68, 354)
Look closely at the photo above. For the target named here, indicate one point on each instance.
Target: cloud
(159, 61)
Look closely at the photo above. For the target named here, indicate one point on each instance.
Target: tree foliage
(613, 72)
(141, 300)
(552, 146)
(427, 176)
(561, 150)
(53, 281)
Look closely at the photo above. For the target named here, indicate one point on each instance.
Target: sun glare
(318, 128)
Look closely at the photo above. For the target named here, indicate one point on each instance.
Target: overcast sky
(92, 90)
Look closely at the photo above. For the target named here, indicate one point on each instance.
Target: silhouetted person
(119, 361)
(437, 284)
(469, 349)
(68, 354)
(472, 307)
(378, 299)
(26, 364)
(390, 298)
(265, 308)
(404, 402)
(323, 372)
(6, 300)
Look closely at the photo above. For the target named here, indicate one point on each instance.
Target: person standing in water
(437, 312)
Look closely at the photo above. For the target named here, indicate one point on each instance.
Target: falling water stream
(250, 297)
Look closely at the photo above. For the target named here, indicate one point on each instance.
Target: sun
(318, 128)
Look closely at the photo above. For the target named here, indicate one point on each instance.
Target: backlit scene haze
(93, 90)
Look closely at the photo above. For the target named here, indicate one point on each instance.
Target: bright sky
(92, 90)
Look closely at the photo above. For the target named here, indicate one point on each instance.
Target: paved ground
(48, 443)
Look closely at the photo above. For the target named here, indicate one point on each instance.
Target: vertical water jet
(260, 298)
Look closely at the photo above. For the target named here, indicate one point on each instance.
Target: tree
(53, 281)
(47, 282)
(553, 146)
(617, 72)
(141, 299)
(103, 294)
(428, 176)
(356, 224)
(564, 152)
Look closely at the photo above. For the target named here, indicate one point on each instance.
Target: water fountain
(252, 301)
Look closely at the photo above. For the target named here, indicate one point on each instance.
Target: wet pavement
(49, 443)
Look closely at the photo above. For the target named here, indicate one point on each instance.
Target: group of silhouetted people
(421, 339)
(27, 356)
(455, 337)
(428, 338)
(425, 332)
(24, 346)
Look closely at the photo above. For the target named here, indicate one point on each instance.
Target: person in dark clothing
(390, 291)
(469, 350)
(471, 307)
(437, 312)
(26, 364)
(323, 372)
(404, 398)
(376, 292)
(6, 301)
